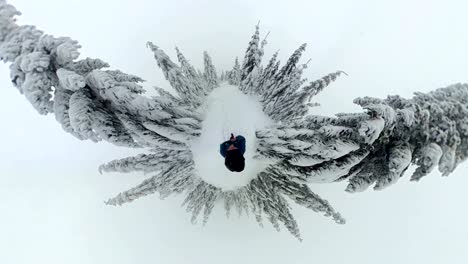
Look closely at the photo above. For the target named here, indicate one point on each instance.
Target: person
(233, 152)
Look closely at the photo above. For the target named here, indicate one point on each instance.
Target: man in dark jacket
(233, 150)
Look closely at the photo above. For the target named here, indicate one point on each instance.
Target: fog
(51, 193)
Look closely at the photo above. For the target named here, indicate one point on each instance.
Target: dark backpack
(234, 160)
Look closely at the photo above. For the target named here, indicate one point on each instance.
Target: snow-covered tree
(251, 59)
(189, 71)
(251, 67)
(283, 81)
(187, 85)
(374, 147)
(187, 68)
(266, 78)
(209, 73)
(234, 75)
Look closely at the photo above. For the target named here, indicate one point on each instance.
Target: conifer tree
(266, 77)
(209, 74)
(189, 71)
(251, 67)
(235, 74)
(375, 147)
(251, 54)
(186, 67)
(186, 85)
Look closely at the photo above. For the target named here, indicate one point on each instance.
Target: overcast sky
(51, 194)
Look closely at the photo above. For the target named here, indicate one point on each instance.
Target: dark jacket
(238, 143)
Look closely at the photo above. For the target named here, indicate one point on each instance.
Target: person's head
(234, 160)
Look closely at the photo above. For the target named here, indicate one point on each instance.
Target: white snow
(228, 110)
(371, 129)
(305, 162)
(70, 80)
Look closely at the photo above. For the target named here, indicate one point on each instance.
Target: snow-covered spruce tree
(235, 73)
(364, 148)
(89, 102)
(187, 86)
(251, 67)
(209, 73)
(280, 89)
(375, 147)
(266, 78)
(251, 59)
(189, 71)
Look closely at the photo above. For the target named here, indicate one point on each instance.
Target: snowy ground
(228, 111)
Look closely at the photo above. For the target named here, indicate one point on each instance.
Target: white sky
(51, 193)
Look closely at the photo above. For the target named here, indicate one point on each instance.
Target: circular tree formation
(374, 147)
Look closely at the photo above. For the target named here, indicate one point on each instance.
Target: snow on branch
(375, 147)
